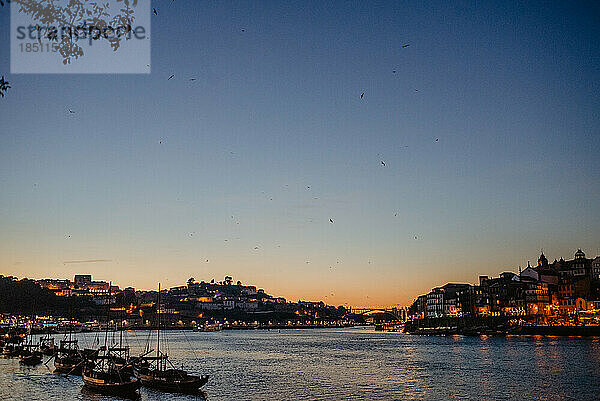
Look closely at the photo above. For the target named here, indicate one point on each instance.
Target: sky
(487, 123)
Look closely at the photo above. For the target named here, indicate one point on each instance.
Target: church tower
(542, 262)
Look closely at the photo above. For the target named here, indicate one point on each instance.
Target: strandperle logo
(80, 36)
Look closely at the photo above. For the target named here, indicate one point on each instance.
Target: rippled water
(351, 364)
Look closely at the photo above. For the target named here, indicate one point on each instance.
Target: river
(348, 364)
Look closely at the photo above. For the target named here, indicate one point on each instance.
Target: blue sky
(148, 172)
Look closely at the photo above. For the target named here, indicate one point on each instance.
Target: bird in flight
(71, 111)
(406, 45)
(383, 163)
(192, 79)
(331, 220)
(171, 77)
(437, 139)
(154, 11)
(362, 95)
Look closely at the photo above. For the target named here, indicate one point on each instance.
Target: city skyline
(367, 150)
(328, 299)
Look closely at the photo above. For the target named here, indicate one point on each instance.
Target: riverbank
(37, 331)
(494, 326)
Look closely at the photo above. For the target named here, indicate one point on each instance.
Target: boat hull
(108, 387)
(48, 351)
(31, 360)
(72, 368)
(171, 383)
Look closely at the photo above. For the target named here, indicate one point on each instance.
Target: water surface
(348, 364)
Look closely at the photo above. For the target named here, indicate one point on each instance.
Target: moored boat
(171, 380)
(12, 350)
(158, 372)
(30, 355)
(30, 358)
(108, 370)
(110, 381)
(68, 358)
(47, 346)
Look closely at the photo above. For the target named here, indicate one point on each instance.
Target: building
(82, 280)
(435, 303)
(578, 282)
(505, 295)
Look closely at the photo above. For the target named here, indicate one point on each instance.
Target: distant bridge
(393, 312)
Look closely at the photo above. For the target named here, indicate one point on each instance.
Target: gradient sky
(510, 89)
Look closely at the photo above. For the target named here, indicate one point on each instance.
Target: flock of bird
(4, 86)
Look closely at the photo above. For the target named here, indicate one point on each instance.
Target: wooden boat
(68, 359)
(107, 372)
(30, 355)
(109, 382)
(103, 374)
(120, 358)
(47, 346)
(171, 380)
(12, 350)
(30, 358)
(158, 372)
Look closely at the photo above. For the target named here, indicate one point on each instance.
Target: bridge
(397, 314)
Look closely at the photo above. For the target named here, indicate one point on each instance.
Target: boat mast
(158, 329)
(106, 332)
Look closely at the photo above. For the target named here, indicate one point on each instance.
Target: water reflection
(350, 364)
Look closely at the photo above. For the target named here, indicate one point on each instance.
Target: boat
(105, 373)
(30, 358)
(12, 350)
(68, 358)
(109, 381)
(157, 372)
(108, 371)
(47, 346)
(171, 380)
(12, 344)
(208, 327)
(30, 355)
